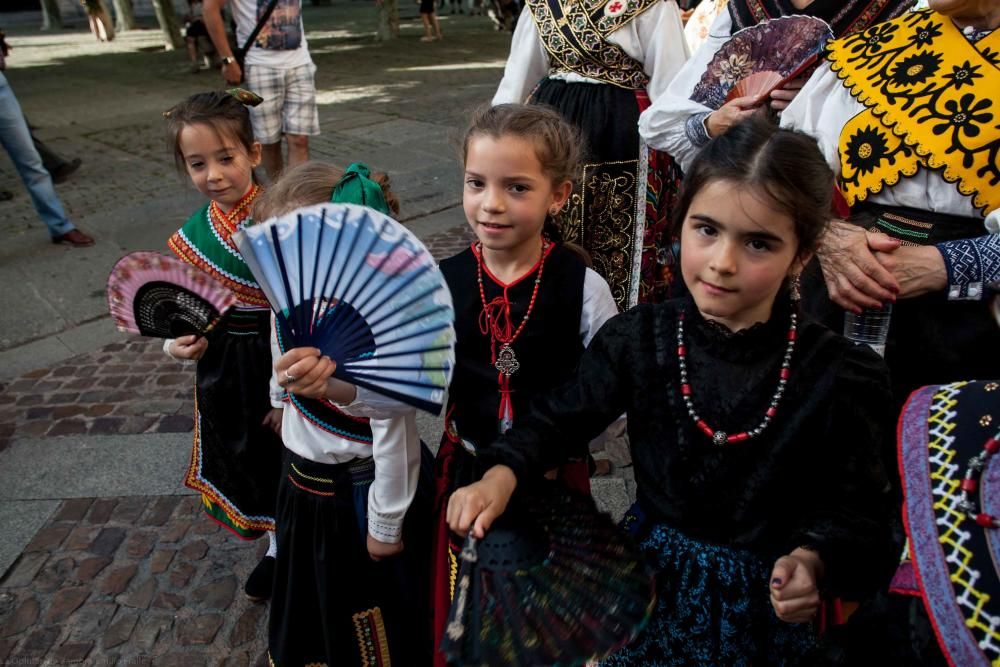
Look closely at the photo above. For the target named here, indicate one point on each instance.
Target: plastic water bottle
(871, 327)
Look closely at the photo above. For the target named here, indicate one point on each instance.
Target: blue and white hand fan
(363, 289)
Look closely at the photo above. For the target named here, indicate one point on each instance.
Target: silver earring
(794, 287)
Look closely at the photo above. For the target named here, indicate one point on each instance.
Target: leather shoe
(62, 173)
(75, 238)
(261, 580)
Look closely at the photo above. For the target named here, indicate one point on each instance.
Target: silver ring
(289, 378)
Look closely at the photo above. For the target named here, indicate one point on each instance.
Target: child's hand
(189, 347)
(272, 420)
(794, 593)
(481, 503)
(379, 550)
(303, 371)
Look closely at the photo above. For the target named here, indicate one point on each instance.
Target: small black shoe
(62, 173)
(260, 583)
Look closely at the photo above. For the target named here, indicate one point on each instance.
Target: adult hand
(731, 113)
(189, 347)
(917, 269)
(686, 15)
(232, 73)
(379, 550)
(854, 277)
(272, 420)
(304, 371)
(782, 97)
(478, 505)
(794, 593)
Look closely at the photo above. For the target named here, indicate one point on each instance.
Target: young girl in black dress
(754, 433)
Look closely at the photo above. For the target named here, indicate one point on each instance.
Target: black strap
(241, 53)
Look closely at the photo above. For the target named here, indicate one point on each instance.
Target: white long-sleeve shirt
(395, 450)
(654, 38)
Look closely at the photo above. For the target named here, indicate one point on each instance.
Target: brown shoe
(62, 173)
(75, 238)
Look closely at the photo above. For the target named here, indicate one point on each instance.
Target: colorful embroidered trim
(216, 504)
(575, 36)
(372, 642)
(927, 92)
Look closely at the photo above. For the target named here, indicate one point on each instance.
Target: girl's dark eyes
(707, 230)
(758, 244)
(474, 182)
(519, 188)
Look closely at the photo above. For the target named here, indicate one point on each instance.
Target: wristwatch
(228, 60)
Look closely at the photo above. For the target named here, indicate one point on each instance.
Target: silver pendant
(719, 438)
(506, 362)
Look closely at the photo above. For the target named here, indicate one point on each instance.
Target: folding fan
(363, 289)
(160, 296)
(762, 58)
(553, 582)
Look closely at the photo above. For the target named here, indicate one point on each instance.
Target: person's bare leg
(273, 163)
(298, 149)
(437, 25)
(427, 25)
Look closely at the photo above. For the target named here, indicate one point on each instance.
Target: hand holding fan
(364, 290)
(553, 582)
(160, 296)
(762, 58)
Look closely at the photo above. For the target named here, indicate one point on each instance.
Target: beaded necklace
(720, 438)
(494, 321)
(970, 483)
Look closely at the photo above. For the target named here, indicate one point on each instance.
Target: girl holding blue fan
(526, 305)
(755, 434)
(350, 584)
(236, 454)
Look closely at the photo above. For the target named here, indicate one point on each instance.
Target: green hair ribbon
(357, 188)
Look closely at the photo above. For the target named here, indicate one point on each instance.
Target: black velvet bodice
(547, 349)
(813, 478)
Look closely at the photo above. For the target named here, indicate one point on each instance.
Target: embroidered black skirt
(332, 604)
(235, 459)
(620, 206)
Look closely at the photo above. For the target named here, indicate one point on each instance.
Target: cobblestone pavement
(103, 576)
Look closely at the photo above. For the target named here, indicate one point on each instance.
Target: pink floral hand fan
(160, 296)
(762, 58)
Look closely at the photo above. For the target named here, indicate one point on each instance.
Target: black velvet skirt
(235, 459)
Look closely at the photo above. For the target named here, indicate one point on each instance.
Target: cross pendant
(506, 362)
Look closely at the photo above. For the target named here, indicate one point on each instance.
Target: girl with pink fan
(755, 434)
(354, 500)
(236, 454)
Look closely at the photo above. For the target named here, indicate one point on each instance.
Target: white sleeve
(664, 125)
(821, 109)
(275, 390)
(598, 306)
(396, 453)
(526, 65)
(373, 405)
(665, 49)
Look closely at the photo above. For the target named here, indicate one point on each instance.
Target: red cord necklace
(721, 438)
(494, 321)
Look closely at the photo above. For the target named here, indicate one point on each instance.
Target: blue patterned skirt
(712, 608)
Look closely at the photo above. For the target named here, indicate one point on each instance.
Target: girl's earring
(795, 287)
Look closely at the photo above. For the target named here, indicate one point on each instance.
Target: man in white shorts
(278, 68)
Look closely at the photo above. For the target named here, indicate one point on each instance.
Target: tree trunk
(168, 24)
(387, 20)
(51, 16)
(124, 16)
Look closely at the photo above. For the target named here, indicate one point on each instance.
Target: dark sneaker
(62, 173)
(261, 581)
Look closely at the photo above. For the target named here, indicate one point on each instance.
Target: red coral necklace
(494, 321)
(720, 438)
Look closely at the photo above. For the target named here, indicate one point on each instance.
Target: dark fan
(553, 582)
(160, 296)
(363, 289)
(762, 58)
